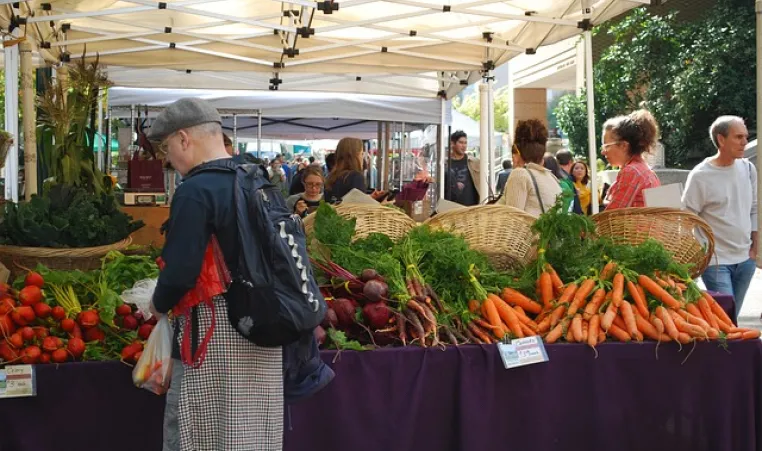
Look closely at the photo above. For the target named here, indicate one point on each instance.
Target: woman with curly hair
(532, 188)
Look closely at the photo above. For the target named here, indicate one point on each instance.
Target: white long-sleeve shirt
(726, 198)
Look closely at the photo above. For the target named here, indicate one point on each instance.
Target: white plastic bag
(140, 295)
(154, 368)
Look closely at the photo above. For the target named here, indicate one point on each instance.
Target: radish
(34, 279)
(68, 325)
(145, 331)
(7, 326)
(76, 332)
(27, 333)
(345, 311)
(94, 334)
(16, 341)
(376, 315)
(330, 319)
(129, 351)
(375, 290)
(123, 310)
(76, 347)
(41, 332)
(152, 321)
(7, 353)
(138, 355)
(129, 322)
(42, 310)
(138, 316)
(88, 318)
(49, 344)
(7, 305)
(60, 355)
(58, 313)
(45, 357)
(31, 354)
(30, 295)
(320, 335)
(5, 288)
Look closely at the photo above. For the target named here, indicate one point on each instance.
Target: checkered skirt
(234, 401)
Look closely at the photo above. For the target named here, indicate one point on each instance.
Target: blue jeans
(171, 414)
(730, 279)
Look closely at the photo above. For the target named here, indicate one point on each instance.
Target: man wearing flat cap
(234, 400)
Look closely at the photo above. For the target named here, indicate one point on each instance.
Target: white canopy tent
(424, 48)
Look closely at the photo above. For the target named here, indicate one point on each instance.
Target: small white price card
(522, 351)
(18, 381)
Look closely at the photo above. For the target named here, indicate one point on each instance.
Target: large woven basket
(503, 233)
(371, 218)
(83, 258)
(679, 231)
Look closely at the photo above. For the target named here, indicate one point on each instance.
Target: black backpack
(273, 299)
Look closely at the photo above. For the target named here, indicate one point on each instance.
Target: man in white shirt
(722, 190)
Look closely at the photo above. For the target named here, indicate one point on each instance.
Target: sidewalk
(752, 305)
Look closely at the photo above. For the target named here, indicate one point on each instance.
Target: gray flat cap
(184, 113)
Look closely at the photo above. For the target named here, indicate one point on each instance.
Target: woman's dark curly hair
(639, 129)
(530, 138)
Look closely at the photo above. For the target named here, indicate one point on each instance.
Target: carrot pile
(616, 304)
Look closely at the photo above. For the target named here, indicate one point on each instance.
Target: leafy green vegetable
(330, 228)
(122, 271)
(340, 341)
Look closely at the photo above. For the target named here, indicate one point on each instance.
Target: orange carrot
(750, 334)
(592, 307)
(593, 330)
(507, 314)
(581, 295)
(717, 309)
(558, 285)
(544, 325)
(619, 321)
(646, 328)
(734, 336)
(690, 329)
(725, 327)
(617, 292)
(658, 292)
(692, 319)
(642, 293)
(556, 333)
(513, 297)
(569, 335)
(480, 334)
(629, 318)
(619, 333)
(489, 310)
(669, 324)
(576, 327)
(473, 306)
(608, 317)
(608, 271)
(524, 319)
(659, 326)
(569, 292)
(557, 314)
(706, 312)
(527, 331)
(640, 301)
(585, 330)
(684, 338)
(546, 288)
(601, 336)
(693, 309)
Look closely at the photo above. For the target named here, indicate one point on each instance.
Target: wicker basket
(673, 228)
(503, 233)
(370, 218)
(83, 258)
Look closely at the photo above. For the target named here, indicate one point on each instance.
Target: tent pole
(29, 113)
(759, 118)
(100, 148)
(12, 119)
(491, 136)
(379, 155)
(403, 152)
(387, 156)
(259, 134)
(107, 156)
(235, 134)
(483, 140)
(442, 139)
(592, 148)
(511, 108)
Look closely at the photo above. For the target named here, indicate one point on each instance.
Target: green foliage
(686, 74)
(66, 216)
(471, 107)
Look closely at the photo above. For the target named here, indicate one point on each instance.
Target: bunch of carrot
(615, 303)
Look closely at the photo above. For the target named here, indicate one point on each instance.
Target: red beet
(330, 319)
(7, 305)
(34, 279)
(375, 290)
(41, 332)
(76, 347)
(58, 313)
(376, 315)
(368, 275)
(30, 295)
(145, 331)
(16, 341)
(345, 311)
(60, 355)
(88, 318)
(31, 354)
(68, 325)
(129, 322)
(45, 357)
(123, 310)
(42, 310)
(27, 333)
(50, 344)
(94, 334)
(320, 335)
(7, 326)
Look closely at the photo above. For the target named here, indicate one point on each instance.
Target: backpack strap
(536, 189)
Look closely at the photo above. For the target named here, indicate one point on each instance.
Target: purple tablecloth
(728, 304)
(434, 400)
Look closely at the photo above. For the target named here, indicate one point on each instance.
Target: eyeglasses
(314, 185)
(607, 145)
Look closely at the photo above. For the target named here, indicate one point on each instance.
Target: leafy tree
(471, 107)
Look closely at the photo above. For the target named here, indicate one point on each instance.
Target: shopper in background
(565, 160)
(723, 191)
(330, 162)
(533, 189)
(462, 176)
(297, 183)
(348, 172)
(581, 175)
(625, 139)
(502, 177)
(306, 202)
(278, 176)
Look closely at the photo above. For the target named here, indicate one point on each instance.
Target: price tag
(522, 351)
(17, 381)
